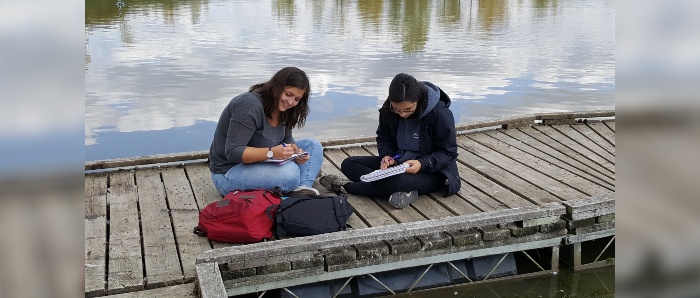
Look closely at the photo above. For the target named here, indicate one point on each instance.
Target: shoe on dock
(402, 199)
(334, 183)
(301, 191)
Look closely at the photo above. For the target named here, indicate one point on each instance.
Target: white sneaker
(302, 190)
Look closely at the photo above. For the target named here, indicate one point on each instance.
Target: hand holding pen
(296, 150)
(388, 161)
(287, 151)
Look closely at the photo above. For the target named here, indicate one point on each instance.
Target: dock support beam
(574, 246)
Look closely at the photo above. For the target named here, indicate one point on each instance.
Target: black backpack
(312, 215)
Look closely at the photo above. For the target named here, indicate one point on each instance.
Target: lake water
(158, 73)
(591, 283)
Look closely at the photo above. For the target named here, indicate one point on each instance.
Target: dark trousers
(355, 166)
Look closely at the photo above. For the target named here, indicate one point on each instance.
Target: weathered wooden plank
(555, 137)
(95, 234)
(365, 207)
(202, 186)
(185, 215)
(592, 214)
(528, 118)
(95, 195)
(337, 157)
(541, 165)
(511, 182)
(479, 199)
(371, 148)
(546, 143)
(500, 194)
(572, 239)
(455, 203)
(534, 147)
(177, 291)
(581, 139)
(144, 160)
(610, 124)
(210, 283)
(408, 214)
(605, 200)
(159, 251)
(604, 131)
(575, 114)
(525, 173)
(356, 222)
(595, 138)
(125, 262)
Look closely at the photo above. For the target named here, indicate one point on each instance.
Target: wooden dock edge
(589, 220)
(507, 122)
(278, 264)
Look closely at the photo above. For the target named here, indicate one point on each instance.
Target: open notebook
(381, 174)
(288, 159)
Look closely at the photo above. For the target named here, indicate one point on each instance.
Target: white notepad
(381, 174)
(288, 159)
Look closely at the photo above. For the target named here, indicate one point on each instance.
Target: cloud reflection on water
(176, 69)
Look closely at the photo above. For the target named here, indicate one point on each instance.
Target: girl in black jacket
(416, 127)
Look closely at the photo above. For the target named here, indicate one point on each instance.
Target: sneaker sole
(330, 184)
(403, 200)
(301, 192)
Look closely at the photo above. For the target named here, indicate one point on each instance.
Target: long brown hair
(271, 91)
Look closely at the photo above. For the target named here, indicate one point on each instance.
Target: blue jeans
(269, 175)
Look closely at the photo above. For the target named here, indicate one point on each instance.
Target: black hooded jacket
(438, 139)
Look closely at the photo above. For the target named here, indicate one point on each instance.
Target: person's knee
(311, 145)
(216, 180)
(221, 186)
(347, 163)
(315, 143)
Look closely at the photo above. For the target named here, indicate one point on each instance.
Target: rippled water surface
(158, 73)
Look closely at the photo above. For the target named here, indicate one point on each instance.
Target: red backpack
(240, 217)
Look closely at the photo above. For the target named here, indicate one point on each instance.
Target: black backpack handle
(340, 211)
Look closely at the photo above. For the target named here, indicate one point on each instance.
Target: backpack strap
(340, 211)
(200, 232)
(279, 230)
(277, 191)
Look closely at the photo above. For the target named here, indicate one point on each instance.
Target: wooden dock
(547, 171)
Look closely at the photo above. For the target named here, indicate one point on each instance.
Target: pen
(394, 158)
(283, 145)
